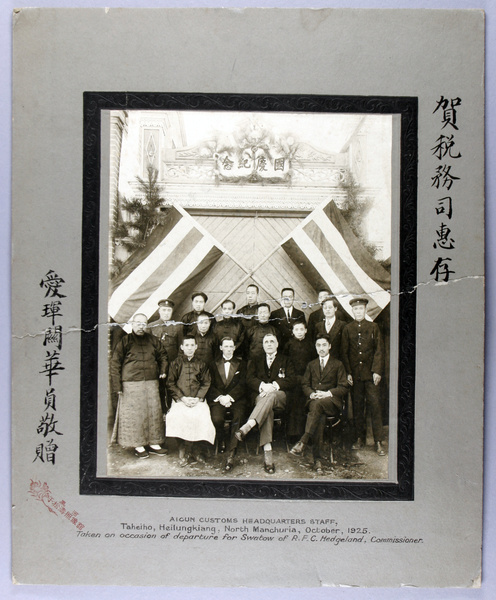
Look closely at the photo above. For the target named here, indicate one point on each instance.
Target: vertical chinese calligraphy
(52, 365)
(445, 180)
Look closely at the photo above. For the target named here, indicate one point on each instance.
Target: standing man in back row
(363, 358)
(285, 317)
(198, 301)
(248, 312)
(317, 315)
(171, 336)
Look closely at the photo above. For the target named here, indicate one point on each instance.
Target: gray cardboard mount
(61, 53)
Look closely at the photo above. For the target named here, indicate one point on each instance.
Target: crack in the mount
(309, 305)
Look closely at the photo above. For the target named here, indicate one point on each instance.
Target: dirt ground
(355, 465)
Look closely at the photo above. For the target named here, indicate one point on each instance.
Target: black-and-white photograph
(251, 262)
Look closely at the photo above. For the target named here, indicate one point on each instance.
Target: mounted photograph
(252, 269)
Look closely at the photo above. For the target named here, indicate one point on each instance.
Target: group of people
(246, 366)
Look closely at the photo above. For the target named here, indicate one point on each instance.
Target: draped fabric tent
(329, 254)
(175, 258)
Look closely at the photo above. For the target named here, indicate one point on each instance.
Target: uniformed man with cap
(198, 301)
(170, 334)
(363, 357)
(167, 330)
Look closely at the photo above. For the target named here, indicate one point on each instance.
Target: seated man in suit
(324, 385)
(270, 377)
(227, 391)
(285, 317)
(332, 326)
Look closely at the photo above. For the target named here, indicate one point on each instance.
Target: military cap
(359, 300)
(166, 302)
(202, 294)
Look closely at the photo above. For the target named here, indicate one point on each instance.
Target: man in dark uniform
(229, 327)
(170, 334)
(285, 317)
(249, 310)
(317, 315)
(363, 358)
(227, 392)
(198, 301)
(205, 339)
(324, 385)
(254, 335)
(301, 350)
(270, 378)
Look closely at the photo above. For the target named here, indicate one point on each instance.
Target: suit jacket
(336, 334)
(313, 319)
(254, 339)
(279, 319)
(362, 350)
(331, 379)
(282, 371)
(234, 385)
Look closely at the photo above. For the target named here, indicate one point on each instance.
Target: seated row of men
(203, 385)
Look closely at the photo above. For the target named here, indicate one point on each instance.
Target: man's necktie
(322, 365)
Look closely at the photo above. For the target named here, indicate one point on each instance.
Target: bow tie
(226, 360)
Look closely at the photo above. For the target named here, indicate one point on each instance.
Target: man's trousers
(365, 393)
(263, 413)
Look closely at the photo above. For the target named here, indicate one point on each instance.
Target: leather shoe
(229, 466)
(187, 460)
(380, 450)
(141, 453)
(358, 445)
(239, 435)
(270, 469)
(298, 449)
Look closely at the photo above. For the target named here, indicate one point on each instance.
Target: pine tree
(143, 212)
(354, 209)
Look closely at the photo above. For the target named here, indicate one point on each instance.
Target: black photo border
(403, 489)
